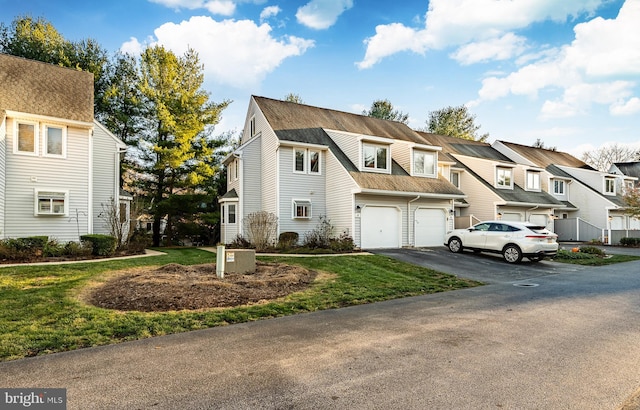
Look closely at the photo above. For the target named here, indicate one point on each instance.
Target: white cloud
(499, 48)
(269, 12)
(235, 53)
(390, 39)
(629, 107)
(220, 7)
(600, 66)
(322, 14)
(452, 23)
(132, 47)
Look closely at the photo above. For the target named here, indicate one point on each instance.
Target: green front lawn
(41, 312)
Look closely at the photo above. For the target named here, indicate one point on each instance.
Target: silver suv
(514, 240)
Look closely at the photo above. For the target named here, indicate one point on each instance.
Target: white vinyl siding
(339, 196)
(3, 150)
(299, 189)
(251, 186)
(26, 173)
(106, 184)
(348, 143)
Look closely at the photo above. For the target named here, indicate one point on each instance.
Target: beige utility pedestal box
(235, 261)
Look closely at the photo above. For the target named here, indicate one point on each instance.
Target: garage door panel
(380, 227)
(430, 227)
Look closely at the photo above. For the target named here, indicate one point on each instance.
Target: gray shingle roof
(631, 169)
(38, 88)
(545, 157)
(303, 123)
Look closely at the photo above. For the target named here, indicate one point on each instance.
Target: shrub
(78, 249)
(288, 240)
(320, 236)
(239, 242)
(139, 241)
(592, 250)
(563, 254)
(102, 245)
(261, 229)
(343, 243)
(53, 248)
(630, 241)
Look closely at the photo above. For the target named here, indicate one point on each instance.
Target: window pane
(299, 160)
(455, 179)
(381, 158)
(232, 214)
(418, 163)
(314, 161)
(58, 206)
(44, 205)
(429, 164)
(369, 157)
(54, 141)
(26, 138)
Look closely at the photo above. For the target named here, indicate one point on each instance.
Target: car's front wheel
(512, 254)
(455, 245)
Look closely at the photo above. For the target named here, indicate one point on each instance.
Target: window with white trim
(455, 178)
(376, 157)
(533, 180)
(252, 126)
(301, 209)
(231, 214)
(424, 163)
(55, 141)
(610, 186)
(504, 177)
(54, 202)
(26, 138)
(306, 161)
(558, 187)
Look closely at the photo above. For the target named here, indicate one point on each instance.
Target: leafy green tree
(383, 109)
(455, 122)
(295, 98)
(175, 150)
(38, 39)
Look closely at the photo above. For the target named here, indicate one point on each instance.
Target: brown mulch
(178, 287)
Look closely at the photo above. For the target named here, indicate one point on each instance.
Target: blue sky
(567, 72)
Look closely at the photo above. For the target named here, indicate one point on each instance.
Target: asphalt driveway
(568, 342)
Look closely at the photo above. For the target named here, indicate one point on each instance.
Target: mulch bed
(178, 287)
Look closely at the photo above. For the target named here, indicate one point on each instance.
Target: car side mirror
(471, 229)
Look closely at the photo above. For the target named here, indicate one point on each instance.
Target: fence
(578, 230)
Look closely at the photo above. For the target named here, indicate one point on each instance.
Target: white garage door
(380, 227)
(430, 227)
(508, 216)
(538, 219)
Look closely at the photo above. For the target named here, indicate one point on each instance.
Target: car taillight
(537, 236)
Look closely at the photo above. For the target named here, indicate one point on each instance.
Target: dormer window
(376, 157)
(610, 186)
(558, 187)
(504, 178)
(424, 163)
(533, 181)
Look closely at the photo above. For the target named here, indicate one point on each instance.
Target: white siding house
(374, 180)
(56, 163)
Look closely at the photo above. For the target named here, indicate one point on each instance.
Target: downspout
(529, 210)
(411, 238)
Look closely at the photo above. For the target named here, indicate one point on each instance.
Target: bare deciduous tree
(603, 157)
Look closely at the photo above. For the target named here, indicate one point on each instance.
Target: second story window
(455, 179)
(376, 157)
(54, 141)
(26, 138)
(424, 163)
(504, 178)
(610, 186)
(533, 181)
(558, 187)
(306, 161)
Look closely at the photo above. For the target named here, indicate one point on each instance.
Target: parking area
(483, 267)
